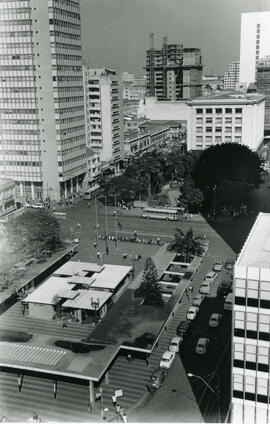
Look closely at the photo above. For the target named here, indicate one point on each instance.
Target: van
(210, 276)
(228, 302)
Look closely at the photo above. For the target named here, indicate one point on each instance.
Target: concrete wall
(169, 110)
(40, 310)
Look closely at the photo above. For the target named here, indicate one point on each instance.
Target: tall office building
(263, 86)
(104, 114)
(231, 78)
(254, 44)
(173, 72)
(42, 102)
(251, 328)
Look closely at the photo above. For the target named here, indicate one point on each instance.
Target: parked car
(215, 320)
(224, 288)
(192, 312)
(205, 287)
(167, 359)
(229, 264)
(218, 266)
(26, 205)
(182, 328)
(228, 302)
(210, 276)
(157, 378)
(202, 344)
(175, 343)
(37, 205)
(197, 300)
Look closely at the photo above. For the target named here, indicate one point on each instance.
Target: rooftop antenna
(151, 41)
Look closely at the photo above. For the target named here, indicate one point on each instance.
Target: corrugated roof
(84, 299)
(25, 353)
(82, 280)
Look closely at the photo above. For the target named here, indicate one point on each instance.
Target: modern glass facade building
(251, 328)
(41, 102)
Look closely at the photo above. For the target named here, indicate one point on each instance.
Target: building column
(32, 191)
(54, 388)
(91, 394)
(65, 189)
(21, 188)
(71, 185)
(106, 379)
(77, 184)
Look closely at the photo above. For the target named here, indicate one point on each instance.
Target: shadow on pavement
(233, 231)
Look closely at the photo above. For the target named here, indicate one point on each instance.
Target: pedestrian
(98, 254)
(124, 417)
(107, 250)
(95, 244)
(54, 208)
(114, 212)
(129, 357)
(114, 400)
(117, 407)
(89, 204)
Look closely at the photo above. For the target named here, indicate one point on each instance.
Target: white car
(175, 343)
(167, 359)
(218, 266)
(205, 287)
(37, 205)
(192, 312)
(210, 276)
(197, 300)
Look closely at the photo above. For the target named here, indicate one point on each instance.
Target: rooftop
(228, 97)
(256, 250)
(5, 182)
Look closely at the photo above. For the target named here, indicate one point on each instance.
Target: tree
(191, 198)
(149, 288)
(186, 244)
(226, 174)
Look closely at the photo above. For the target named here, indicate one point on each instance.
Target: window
(199, 111)
(238, 110)
(228, 110)
(218, 129)
(209, 110)
(218, 110)
(208, 129)
(209, 120)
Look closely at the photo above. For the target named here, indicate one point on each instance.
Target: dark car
(182, 328)
(157, 378)
(224, 288)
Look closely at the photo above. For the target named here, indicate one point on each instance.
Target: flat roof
(228, 97)
(256, 250)
(47, 291)
(78, 268)
(110, 276)
(84, 299)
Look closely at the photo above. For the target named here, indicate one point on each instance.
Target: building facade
(251, 328)
(226, 118)
(231, 78)
(130, 107)
(104, 114)
(263, 87)
(135, 89)
(7, 196)
(42, 103)
(254, 43)
(173, 72)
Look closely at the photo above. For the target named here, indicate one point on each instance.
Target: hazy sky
(115, 33)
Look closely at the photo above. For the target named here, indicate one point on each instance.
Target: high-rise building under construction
(173, 72)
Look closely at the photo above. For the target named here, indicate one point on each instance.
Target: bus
(92, 192)
(60, 215)
(170, 214)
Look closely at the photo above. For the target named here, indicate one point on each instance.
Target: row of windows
(20, 163)
(63, 35)
(218, 110)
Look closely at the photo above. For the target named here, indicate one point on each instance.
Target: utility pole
(116, 219)
(96, 220)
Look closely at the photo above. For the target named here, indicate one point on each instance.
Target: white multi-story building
(231, 78)
(42, 127)
(104, 114)
(251, 328)
(230, 117)
(254, 44)
(134, 90)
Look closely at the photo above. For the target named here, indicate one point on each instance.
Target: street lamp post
(95, 304)
(210, 388)
(116, 220)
